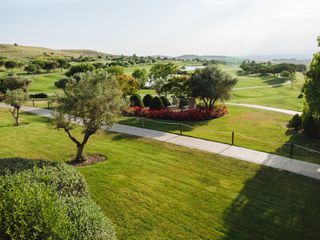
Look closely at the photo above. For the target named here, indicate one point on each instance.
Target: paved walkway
(280, 110)
(248, 155)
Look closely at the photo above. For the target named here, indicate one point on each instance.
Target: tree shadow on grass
(274, 81)
(120, 136)
(275, 205)
(12, 165)
(299, 139)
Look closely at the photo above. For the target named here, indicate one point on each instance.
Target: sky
(165, 27)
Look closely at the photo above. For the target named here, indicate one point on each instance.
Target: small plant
(165, 101)
(310, 126)
(156, 104)
(147, 100)
(296, 122)
(135, 101)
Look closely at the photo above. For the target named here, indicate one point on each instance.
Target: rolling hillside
(20, 52)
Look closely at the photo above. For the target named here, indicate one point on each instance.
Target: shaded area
(271, 206)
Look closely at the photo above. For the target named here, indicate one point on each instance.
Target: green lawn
(256, 129)
(153, 190)
(280, 96)
(44, 83)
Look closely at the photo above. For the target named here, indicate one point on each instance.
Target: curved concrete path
(271, 160)
(280, 110)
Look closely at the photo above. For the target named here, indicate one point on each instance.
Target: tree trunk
(79, 157)
(17, 117)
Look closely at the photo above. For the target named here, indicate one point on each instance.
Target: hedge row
(154, 103)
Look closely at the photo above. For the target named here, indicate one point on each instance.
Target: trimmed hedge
(147, 100)
(156, 104)
(39, 95)
(48, 200)
(135, 101)
(165, 101)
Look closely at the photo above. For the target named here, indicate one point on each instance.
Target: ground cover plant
(207, 197)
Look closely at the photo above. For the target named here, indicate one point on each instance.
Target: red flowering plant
(198, 114)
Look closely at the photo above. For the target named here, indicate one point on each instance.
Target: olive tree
(94, 99)
(16, 98)
(211, 84)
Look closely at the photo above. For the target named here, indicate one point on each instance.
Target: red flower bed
(198, 114)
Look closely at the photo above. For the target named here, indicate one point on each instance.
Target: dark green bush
(80, 68)
(296, 122)
(61, 83)
(310, 126)
(156, 104)
(39, 95)
(147, 100)
(135, 101)
(165, 101)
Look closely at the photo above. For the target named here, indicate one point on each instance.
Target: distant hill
(20, 52)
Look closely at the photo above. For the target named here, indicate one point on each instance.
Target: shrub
(198, 114)
(135, 101)
(39, 95)
(61, 83)
(47, 200)
(165, 101)
(61, 177)
(310, 126)
(147, 100)
(30, 210)
(80, 68)
(296, 122)
(156, 104)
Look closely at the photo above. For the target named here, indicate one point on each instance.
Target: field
(255, 129)
(207, 197)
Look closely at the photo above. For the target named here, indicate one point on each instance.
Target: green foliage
(162, 70)
(62, 83)
(16, 97)
(62, 63)
(156, 103)
(211, 84)
(32, 68)
(310, 126)
(135, 101)
(251, 67)
(147, 100)
(80, 68)
(48, 200)
(165, 101)
(29, 210)
(141, 75)
(178, 86)
(296, 122)
(50, 65)
(10, 64)
(95, 99)
(115, 70)
(14, 82)
(311, 88)
(127, 84)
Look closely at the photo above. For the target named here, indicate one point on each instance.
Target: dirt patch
(89, 160)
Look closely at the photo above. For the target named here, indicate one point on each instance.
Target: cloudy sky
(167, 27)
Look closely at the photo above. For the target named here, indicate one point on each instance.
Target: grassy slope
(255, 129)
(22, 52)
(160, 191)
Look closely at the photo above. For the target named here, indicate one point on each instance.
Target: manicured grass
(44, 83)
(256, 129)
(280, 96)
(153, 190)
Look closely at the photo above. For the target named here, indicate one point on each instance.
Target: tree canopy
(211, 84)
(95, 99)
